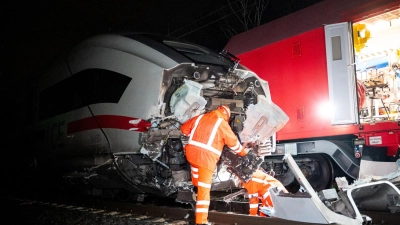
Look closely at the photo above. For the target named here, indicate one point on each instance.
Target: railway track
(71, 209)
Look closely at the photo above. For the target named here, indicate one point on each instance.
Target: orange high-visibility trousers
(202, 179)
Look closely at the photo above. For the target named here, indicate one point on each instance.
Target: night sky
(35, 32)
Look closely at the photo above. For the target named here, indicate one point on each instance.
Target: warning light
(360, 36)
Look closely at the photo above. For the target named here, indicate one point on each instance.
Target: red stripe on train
(108, 121)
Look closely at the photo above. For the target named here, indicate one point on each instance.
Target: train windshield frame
(184, 50)
(196, 53)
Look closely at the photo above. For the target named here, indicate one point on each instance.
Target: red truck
(334, 69)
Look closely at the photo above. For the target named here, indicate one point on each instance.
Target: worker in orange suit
(258, 189)
(208, 133)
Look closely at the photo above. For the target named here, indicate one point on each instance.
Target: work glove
(267, 210)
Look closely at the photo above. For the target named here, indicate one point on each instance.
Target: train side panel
(296, 71)
(106, 100)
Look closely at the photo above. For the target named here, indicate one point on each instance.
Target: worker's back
(208, 135)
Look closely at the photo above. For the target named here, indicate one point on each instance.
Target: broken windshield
(197, 53)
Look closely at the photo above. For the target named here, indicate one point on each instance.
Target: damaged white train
(108, 113)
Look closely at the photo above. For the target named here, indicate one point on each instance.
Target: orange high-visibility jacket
(263, 181)
(258, 188)
(208, 133)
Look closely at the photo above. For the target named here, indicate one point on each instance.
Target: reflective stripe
(239, 149)
(201, 184)
(213, 132)
(195, 127)
(252, 206)
(227, 110)
(266, 194)
(267, 205)
(253, 195)
(203, 202)
(195, 171)
(236, 147)
(201, 210)
(258, 180)
(206, 147)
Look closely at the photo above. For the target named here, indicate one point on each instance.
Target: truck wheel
(318, 171)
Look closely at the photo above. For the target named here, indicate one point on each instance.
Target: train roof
(178, 50)
(191, 51)
(325, 12)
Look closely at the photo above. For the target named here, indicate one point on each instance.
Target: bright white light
(381, 25)
(385, 35)
(395, 22)
(361, 33)
(325, 110)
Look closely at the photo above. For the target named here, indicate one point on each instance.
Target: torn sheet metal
(232, 196)
(263, 120)
(308, 207)
(186, 102)
(375, 196)
(392, 176)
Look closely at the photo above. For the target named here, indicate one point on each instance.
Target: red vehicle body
(291, 53)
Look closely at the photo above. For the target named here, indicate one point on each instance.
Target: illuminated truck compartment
(377, 55)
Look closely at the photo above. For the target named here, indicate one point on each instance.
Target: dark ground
(24, 212)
